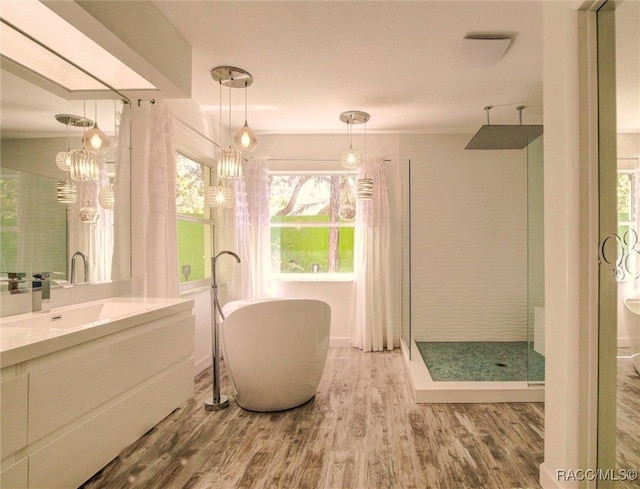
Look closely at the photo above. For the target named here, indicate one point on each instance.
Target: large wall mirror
(60, 196)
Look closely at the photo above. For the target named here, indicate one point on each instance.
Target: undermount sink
(633, 304)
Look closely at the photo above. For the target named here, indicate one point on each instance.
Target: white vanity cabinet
(68, 413)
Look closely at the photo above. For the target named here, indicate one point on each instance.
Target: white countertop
(27, 336)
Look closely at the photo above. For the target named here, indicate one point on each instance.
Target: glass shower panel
(406, 258)
(535, 262)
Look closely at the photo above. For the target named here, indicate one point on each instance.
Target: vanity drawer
(16, 476)
(61, 393)
(13, 408)
(80, 452)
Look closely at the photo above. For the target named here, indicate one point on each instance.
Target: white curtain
(247, 233)
(159, 206)
(372, 322)
(121, 266)
(93, 239)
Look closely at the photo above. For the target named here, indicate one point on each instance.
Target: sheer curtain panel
(247, 232)
(159, 206)
(372, 323)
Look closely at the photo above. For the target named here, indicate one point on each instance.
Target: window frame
(310, 276)
(206, 219)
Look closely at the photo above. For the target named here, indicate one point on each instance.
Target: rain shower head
(504, 136)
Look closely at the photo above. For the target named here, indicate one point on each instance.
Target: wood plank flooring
(628, 419)
(362, 431)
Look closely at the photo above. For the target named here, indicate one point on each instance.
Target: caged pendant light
(351, 158)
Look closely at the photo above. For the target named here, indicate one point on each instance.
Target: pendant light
(219, 196)
(94, 139)
(244, 138)
(230, 159)
(67, 191)
(106, 197)
(84, 164)
(365, 188)
(352, 158)
(63, 158)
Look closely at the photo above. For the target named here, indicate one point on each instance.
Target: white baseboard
(549, 479)
(339, 342)
(200, 365)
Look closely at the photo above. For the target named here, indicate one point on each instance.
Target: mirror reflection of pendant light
(84, 164)
(230, 159)
(88, 214)
(84, 167)
(351, 158)
(63, 158)
(94, 139)
(106, 198)
(67, 191)
(244, 138)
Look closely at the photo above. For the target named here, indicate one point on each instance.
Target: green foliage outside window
(194, 228)
(312, 223)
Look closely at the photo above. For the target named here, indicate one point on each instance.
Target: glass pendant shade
(84, 167)
(230, 163)
(106, 197)
(96, 140)
(63, 160)
(350, 159)
(88, 214)
(365, 189)
(245, 139)
(67, 192)
(219, 196)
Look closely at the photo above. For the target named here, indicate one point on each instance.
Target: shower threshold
(426, 390)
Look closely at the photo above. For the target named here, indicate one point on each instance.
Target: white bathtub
(275, 350)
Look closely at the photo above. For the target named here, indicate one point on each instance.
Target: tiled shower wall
(468, 240)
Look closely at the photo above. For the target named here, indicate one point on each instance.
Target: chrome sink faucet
(41, 292)
(85, 262)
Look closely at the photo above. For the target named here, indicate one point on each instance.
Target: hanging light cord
(246, 84)
(229, 126)
(365, 140)
(220, 114)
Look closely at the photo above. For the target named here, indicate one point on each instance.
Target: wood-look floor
(628, 419)
(362, 431)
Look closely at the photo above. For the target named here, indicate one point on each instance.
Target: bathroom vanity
(80, 383)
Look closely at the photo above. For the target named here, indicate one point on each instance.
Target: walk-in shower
(473, 266)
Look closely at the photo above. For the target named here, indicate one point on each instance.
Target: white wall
(562, 251)
(468, 240)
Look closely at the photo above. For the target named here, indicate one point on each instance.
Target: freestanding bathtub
(275, 350)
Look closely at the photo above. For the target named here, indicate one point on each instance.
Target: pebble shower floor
(477, 361)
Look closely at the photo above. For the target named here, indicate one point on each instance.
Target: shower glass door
(406, 258)
(535, 262)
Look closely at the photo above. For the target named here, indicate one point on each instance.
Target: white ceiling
(312, 60)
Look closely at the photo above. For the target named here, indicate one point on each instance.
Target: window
(195, 227)
(312, 222)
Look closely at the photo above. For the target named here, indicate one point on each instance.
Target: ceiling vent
(474, 51)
